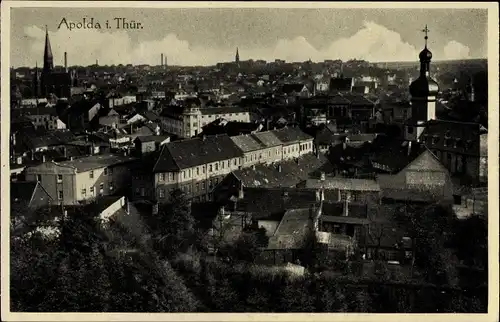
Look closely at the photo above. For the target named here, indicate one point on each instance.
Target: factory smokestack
(66, 61)
(161, 60)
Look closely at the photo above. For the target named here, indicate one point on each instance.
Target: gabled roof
(190, 153)
(290, 135)
(268, 138)
(247, 143)
(285, 173)
(290, 88)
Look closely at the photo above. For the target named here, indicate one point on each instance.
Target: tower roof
(424, 86)
(48, 59)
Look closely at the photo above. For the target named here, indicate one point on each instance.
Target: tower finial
(426, 31)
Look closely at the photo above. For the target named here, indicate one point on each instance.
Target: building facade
(72, 182)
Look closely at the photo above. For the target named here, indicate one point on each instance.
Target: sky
(207, 36)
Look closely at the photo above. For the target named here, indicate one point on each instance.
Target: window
(105, 171)
(210, 168)
(223, 164)
(197, 171)
(162, 193)
(210, 183)
(197, 187)
(184, 174)
(235, 162)
(111, 187)
(59, 178)
(60, 195)
(91, 174)
(110, 171)
(38, 177)
(170, 176)
(162, 176)
(84, 192)
(216, 167)
(101, 187)
(92, 191)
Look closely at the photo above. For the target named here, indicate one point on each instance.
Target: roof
(190, 153)
(394, 154)
(340, 84)
(343, 184)
(291, 174)
(289, 88)
(268, 138)
(22, 190)
(247, 143)
(263, 203)
(152, 138)
(223, 110)
(96, 162)
(291, 135)
(292, 230)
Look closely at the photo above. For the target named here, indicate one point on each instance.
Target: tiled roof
(268, 138)
(247, 143)
(291, 231)
(189, 153)
(291, 174)
(291, 135)
(343, 184)
(267, 202)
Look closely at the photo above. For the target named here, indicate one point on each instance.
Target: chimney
(322, 176)
(128, 207)
(279, 167)
(409, 147)
(66, 61)
(161, 60)
(43, 158)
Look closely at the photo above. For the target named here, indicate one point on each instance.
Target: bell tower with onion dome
(423, 93)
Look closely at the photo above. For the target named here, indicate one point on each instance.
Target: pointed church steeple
(237, 58)
(48, 59)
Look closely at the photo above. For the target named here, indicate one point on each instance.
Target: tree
(176, 224)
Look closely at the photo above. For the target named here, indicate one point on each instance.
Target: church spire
(237, 58)
(48, 59)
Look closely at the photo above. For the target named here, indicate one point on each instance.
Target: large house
(188, 121)
(74, 181)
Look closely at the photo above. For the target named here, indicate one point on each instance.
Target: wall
(48, 174)
(113, 179)
(113, 208)
(196, 181)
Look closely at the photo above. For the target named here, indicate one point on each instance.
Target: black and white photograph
(249, 159)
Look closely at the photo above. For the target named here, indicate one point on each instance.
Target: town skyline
(383, 39)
